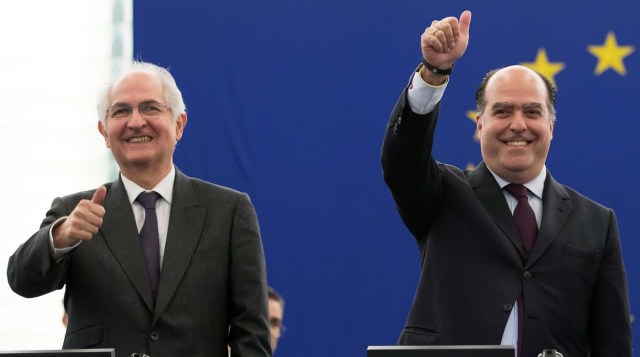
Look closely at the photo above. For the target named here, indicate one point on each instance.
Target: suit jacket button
(527, 275)
(507, 307)
(154, 336)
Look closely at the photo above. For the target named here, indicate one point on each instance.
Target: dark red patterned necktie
(524, 216)
(528, 228)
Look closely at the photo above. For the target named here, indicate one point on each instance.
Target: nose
(136, 120)
(518, 122)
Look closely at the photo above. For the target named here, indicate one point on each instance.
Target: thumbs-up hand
(83, 222)
(445, 41)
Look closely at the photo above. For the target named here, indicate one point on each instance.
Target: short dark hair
(551, 93)
(273, 295)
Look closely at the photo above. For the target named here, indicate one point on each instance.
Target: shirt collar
(535, 186)
(164, 187)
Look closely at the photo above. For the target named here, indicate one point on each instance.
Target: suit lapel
(121, 235)
(492, 198)
(185, 228)
(556, 207)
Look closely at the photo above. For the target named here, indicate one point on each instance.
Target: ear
(103, 130)
(479, 125)
(181, 122)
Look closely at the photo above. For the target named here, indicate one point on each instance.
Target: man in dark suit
(211, 291)
(563, 286)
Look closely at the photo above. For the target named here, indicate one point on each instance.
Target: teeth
(517, 143)
(140, 139)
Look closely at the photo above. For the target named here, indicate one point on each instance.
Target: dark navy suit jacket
(474, 266)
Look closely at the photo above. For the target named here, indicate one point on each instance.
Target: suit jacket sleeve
(409, 169)
(249, 325)
(610, 321)
(32, 271)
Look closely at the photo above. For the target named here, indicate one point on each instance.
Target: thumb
(99, 195)
(465, 22)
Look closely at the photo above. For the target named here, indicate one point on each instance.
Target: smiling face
(141, 143)
(515, 127)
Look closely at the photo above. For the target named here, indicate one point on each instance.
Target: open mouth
(139, 139)
(517, 143)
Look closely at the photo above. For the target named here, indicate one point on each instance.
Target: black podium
(103, 352)
(441, 351)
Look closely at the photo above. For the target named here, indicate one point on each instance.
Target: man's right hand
(83, 222)
(443, 43)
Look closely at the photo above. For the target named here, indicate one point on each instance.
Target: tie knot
(517, 191)
(148, 199)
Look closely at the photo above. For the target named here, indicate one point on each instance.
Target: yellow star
(610, 55)
(546, 68)
(471, 114)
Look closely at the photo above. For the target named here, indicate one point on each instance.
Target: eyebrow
(512, 106)
(123, 104)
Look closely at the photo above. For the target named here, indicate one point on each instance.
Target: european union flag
(288, 101)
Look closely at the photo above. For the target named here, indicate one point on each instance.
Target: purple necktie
(150, 238)
(528, 228)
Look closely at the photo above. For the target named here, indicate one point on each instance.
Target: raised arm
(409, 169)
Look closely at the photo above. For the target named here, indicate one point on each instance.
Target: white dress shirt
(163, 205)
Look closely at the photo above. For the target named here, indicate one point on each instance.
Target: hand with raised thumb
(83, 222)
(445, 41)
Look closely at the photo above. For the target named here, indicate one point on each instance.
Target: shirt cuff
(422, 96)
(58, 253)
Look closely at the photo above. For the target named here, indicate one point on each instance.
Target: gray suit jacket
(212, 290)
(474, 266)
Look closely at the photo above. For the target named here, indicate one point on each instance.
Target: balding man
(509, 255)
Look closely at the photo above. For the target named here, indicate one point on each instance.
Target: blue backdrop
(288, 101)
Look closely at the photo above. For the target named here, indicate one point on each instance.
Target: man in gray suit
(540, 269)
(211, 290)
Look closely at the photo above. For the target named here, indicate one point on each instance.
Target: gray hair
(173, 96)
